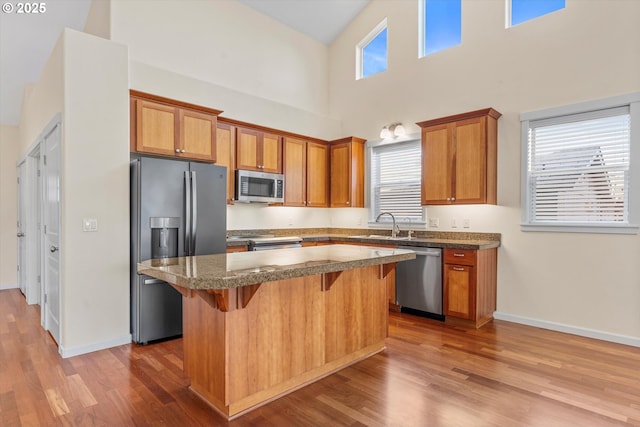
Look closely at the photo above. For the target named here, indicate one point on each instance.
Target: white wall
(227, 43)
(86, 80)
(587, 51)
(9, 149)
(95, 185)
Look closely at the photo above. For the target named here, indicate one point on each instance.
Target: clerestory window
(371, 52)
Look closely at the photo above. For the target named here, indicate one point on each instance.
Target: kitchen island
(258, 325)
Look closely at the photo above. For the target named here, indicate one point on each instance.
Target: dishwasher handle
(436, 252)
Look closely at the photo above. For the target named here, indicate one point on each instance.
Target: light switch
(89, 224)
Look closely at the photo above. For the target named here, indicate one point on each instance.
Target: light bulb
(399, 130)
(384, 133)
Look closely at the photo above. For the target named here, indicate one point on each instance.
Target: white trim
(581, 107)
(364, 42)
(421, 28)
(6, 286)
(96, 346)
(569, 329)
(579, 228)
(632, 101)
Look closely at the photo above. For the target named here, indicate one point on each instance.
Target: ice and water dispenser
(164, 237)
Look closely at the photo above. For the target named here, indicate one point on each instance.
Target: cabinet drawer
(460, 256)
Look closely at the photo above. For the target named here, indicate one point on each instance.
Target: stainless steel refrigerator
(178, 208)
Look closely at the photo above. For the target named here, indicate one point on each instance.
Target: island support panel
(291, 333)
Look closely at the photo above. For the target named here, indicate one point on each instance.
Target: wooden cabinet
(459, 158)
(241, 248)
(225, 155)
(167, 127)
(469, 285)
(390, 277)
(305, 167)
(259, 151)
(347, 172)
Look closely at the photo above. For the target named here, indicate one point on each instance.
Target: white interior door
(51, 222)
(22, 221)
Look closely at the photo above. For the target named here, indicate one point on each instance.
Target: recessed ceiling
(26, 40)
(321, 19)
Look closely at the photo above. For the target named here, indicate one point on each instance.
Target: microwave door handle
(194, 212)
(187, 213)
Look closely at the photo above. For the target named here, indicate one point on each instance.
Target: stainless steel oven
(268, 243)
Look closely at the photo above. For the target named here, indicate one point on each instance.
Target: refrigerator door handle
(194, 212)
(187, 213)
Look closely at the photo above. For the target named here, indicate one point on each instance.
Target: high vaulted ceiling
(26, 40)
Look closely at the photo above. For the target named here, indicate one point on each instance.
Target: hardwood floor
(431, 374)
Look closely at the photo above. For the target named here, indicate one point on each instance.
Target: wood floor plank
(431, 374)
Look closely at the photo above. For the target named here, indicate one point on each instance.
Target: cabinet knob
(348, 203)
(177, 150)
(182, 151)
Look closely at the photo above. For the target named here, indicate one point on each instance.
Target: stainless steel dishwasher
(419, 283)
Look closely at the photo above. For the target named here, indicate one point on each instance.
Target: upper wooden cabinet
(459, 158)
(305, 167)
(347, 172)
(225, 155)
(259, 151)
(167, 127)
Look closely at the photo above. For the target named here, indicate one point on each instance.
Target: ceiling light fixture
(393, 130)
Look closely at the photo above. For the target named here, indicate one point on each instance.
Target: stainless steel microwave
(261, 187)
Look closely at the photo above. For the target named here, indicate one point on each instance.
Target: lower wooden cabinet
(469, 285)
(242, 248)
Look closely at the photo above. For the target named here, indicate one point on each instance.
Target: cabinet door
(225, 149)
(271, 155)
(317, 175)
(155, 128)
(341, 175)
(436, 164)
(247, 142)
(459, 291)
(294, 159)
(470, 161)
(197, 135)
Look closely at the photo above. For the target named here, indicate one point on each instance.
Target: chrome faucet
(394, 228)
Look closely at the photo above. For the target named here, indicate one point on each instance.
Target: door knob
(53, 249)
(20, 234)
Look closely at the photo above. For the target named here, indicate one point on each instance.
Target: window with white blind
(395, 182)
(578, 170)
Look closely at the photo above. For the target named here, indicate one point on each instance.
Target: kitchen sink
(379, 236)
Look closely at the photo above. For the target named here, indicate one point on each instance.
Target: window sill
(581, 228)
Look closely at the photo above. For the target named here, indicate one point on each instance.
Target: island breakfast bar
(258, 325)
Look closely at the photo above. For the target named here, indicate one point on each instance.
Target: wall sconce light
(393, 130)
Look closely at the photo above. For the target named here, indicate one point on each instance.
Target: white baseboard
(569, 329)
(4, 286)
(88, 348)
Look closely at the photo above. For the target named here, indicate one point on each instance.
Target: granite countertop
(224, 271)
(431, 242)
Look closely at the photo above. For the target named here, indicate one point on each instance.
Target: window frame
(422, 30)
(373, 209)
(375, 32)
(509, 14)
(632, 225)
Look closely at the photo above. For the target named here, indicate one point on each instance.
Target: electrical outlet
(466, 223)
(454, 223)
(434, 222)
